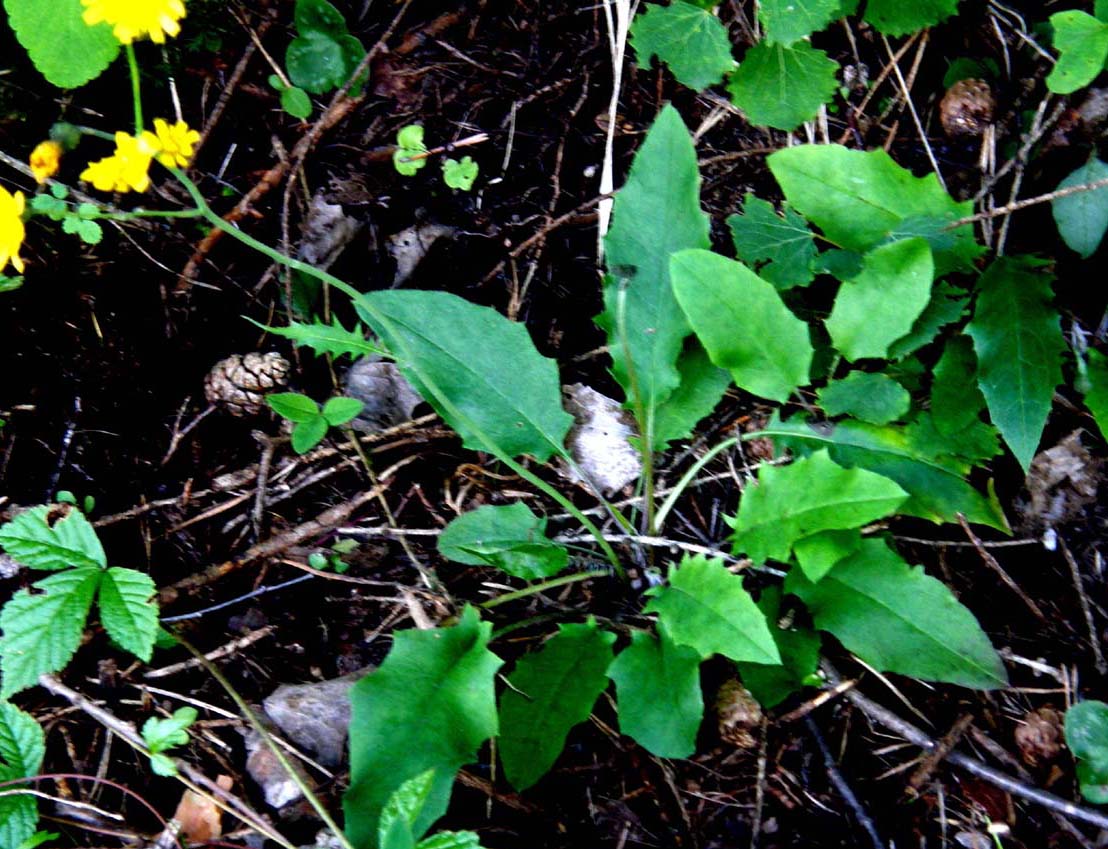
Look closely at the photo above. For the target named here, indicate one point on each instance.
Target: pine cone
(240, 383)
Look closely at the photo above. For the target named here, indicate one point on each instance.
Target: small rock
(278, 786)
(600, 439)
(410, 246)
(240, 382)
(388, 397)
(967, 108)
(326, 232)
(315, 717)
(1039, 736)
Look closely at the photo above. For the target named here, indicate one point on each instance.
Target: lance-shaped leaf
(781, 248)
(811, 495)
(743, 324)
(702, 385)
(509, 537)
(956, 402)
(128, 611)
(704, 606)
(899, 619)
(21, 750)
(551, 691)
(1018, 338)
(430, 705)
(658, 694)
(782, 87)
(463, 350)
(690, 40)
(39, 539)
(1096, 389)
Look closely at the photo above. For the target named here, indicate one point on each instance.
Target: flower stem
(136, 93)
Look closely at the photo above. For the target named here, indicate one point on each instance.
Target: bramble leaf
(128, 611)
(1086, 728)
(780, 248)
(39, 540)
(895, 17)
(61, 45)
(786, 21)
(690, 40)
(1082, 44)
(549, 692)
(22, 746)
(871, 397)
(782, 87)
(509, 537)
(1082, 218)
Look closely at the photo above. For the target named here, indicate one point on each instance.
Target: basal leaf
(780, 248)
(39, 539)
(464, 350)
(1096, 394)
(318, 62)
(1086, 728)
(690, 40)
(702, 386)
(21, 751)
(1082, 218)
(656, 213)
(818, 553)
(399, 815)
(786, 21)
(895, 17)
(810, 495)
(1018, 338)
(61, 45)
(1082, 44)
(871, 397)
(509, 537)
(429, 705)
(743, 324)
(43, 630)
(956, 402)
(782, 87)
(658, 694)
(705, 607)
(325, 338)
(549, 692)
(318, 16)
(799, 648)
(128, 611)
(947, 305)
(898, 619)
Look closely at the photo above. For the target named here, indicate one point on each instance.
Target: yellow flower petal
(12, 230)
(134, 19)
(45, 160)
(128, 168)
(176, 142)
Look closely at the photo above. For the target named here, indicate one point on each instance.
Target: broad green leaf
(549, 692)
(705, 607)
(38, 539)
(947, 305)
(326, 338)
(742, 323)
(318, 62)
(690, 40)
(398, 818)
(897, 618)
(295, 102)
(810, 495)
(43, 630)
(340, 410)
(409, 144)
(128, 612)
(1082, 218)
(1018, 338)
(874, 398)
(1096, 394)
(895, 17)
(459, 174)
(937, 487)
(509, 537)
(859, 197)
(309, 433)
(451, 840)
(429, 705)
(956, 402)
(656, 213)
(658, 694)
(1082, 44)
(464, 350)
(818, 553)
(702, 386)
(160, 734)
(946, 245)
(782, 87)
(1086, 728)
(22, 746)
(293, 406)
(799, 648)
(881, 304)
(786, 21)
(973, 445)
(61, 45)
(318, 16)
(780, 248)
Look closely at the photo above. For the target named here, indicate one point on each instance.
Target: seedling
(161, 735)
(412, 153)
(310, 422)
(334, 557)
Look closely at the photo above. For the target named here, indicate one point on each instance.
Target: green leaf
(1086, 728)
(937, 486)
(786, 21)
(409, 144)
(399, 815)
(782, 249)
(36, 839)
(1096, 395)
(318, 16)
(429, 705)
(742, 323)
(128, 611)
(690, 40)
(947, 305)
(451, 840)
(459, 174)
(658, 694)
(43, 630)
(817, 554)
(799, 648)
(1082, 218)
(875, 398)
(309, 433)
(39, 540)
(1018, 338)
(326, 338)
(22, 746)
(956, 402)
(705, 606)
(90, 232)
(318, 62)
(858, 198)
(61, 45)
(782, 87)
(881, 304)
(656, 213)
(295, 102)
(160, 735)
(340, 410)
(163, 765)
(293, 406)
(895, 17)
(464, 349)
(810, 495)
(549, 692)
(1082, 44)
(702, 386)
(898, 619)
(510, 537)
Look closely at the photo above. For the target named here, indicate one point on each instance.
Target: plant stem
(534, 589)
(135, 214)
(136, 92)
(645, 417)
(687, 478)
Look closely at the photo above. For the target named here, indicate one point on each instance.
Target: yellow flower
(176, 142)
(131, 19)
(128, 168)
(45, 159)
(11, 229)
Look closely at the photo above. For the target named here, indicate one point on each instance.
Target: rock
(410, 246)
(315, 716)
(278, 787)
(600, 439)
(388, 397)
(325, 233)
(1063, 480)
